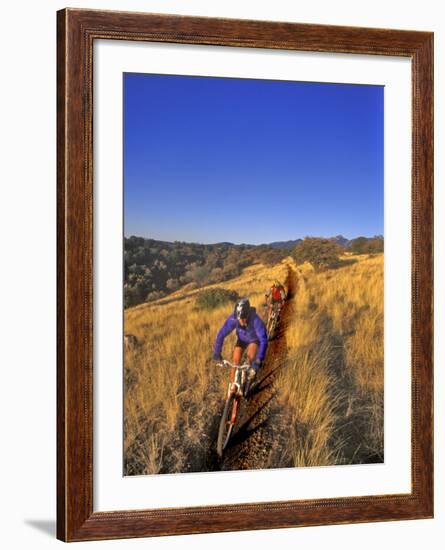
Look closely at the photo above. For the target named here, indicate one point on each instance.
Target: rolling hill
(320, 401)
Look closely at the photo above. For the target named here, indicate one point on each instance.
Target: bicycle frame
(235, 392)
(237, 385)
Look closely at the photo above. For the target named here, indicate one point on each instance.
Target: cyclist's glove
(217, 357)
(258, 364)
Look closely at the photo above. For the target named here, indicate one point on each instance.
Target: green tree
(365, 245)
(215, 297)
(320, 252)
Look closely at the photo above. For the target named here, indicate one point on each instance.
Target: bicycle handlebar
(228, 364)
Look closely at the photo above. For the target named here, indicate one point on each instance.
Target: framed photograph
(245, 288)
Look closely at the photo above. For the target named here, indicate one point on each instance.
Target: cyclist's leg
(237, 354)
(252, 350)
(236, 359)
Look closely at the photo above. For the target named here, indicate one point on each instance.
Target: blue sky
(254, 161)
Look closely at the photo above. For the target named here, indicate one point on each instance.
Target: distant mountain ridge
(339, 239)
(292, 243)
(285, 244)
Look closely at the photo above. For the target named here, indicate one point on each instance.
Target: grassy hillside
(172, 397)
(154, 269)
(332, 385)
(329, 387)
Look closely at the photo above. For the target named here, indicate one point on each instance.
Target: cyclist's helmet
(242, 309)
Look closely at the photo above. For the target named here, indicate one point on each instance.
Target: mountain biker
(276, 295)
(251, 336)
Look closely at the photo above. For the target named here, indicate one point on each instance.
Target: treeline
(366, 245)
(326, 253)
(154, 269)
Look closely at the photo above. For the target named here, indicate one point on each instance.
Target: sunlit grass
(329, 384)
(173, 394)
(332, 386)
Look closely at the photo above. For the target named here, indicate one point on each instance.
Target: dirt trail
(259, 439)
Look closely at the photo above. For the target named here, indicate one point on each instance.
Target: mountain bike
(237, 389)
(272, 320)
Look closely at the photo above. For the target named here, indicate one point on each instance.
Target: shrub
(364, 245)
(321, 253)
(154, 295)
(215, 297)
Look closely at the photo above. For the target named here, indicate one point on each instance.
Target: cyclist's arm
(228, 327)
(261, 332)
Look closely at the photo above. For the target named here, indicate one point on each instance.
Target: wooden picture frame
(76, 32)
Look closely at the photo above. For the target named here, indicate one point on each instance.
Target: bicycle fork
(235, 389)
(235, 385)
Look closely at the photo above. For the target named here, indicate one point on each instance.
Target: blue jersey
(255, 331)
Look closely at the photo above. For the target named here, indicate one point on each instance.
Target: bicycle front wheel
(227, 422)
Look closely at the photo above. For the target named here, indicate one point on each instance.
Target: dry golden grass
(329, 384)
(172, 398)
(332, 387)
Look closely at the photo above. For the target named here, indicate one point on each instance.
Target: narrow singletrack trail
(258, 437)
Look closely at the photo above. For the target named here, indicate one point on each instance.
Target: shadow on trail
(244, 433)
(260, 388)
(265, 382)
(239, 435)
(254, 441)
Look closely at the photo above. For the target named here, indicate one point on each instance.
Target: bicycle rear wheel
(226, 424)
